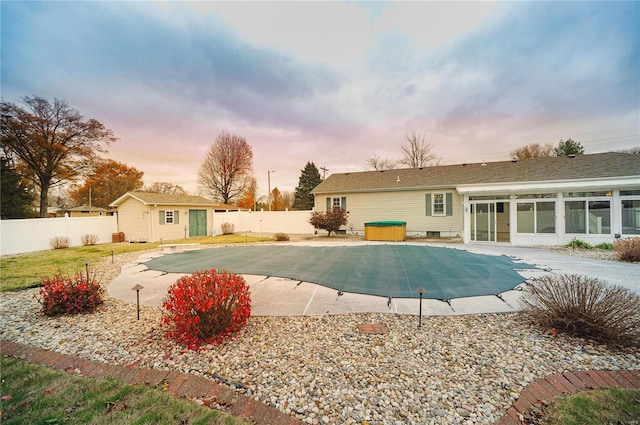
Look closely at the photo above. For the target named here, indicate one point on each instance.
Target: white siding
(133, 220)
(408, 206)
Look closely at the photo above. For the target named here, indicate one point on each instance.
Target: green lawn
(33, 394)
(596, 407)
(26, 270)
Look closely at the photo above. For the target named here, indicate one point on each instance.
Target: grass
(596, 407)
(26, 270)
(39, 395)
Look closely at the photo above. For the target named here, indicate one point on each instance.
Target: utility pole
(324, 170)
(269, 186)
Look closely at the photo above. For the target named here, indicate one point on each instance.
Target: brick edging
(543, 390)
(177, 383)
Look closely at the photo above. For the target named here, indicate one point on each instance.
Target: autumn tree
(166, 188)
(534, 150)
(248, 199)
(227, 168)
(50, 141)
(107, 182)
(277, 201)
(17, 196)
(330, 220)
(568, 147)
(417, 153)
(309, 179)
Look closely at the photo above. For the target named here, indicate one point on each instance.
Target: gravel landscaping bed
(460, 369)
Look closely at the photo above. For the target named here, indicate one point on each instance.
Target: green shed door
(197, 223)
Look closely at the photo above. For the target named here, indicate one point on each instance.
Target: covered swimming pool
(393, 271)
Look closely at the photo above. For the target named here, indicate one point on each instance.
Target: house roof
(553, 169)
(148, 198)
(86, 208)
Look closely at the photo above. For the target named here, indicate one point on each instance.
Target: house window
(169, 217)
(438, 204)
(536, 217)
(340, 202)
(588, 216)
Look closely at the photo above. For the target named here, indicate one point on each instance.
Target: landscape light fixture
(86, 266)
(420, 291)
(137, 288)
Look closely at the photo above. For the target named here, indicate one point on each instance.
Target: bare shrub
(628, 249)
(228, 228)
(585, 307)
(89, 239)
(281, 237)
(60, 242)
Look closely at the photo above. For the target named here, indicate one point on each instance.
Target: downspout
(151, 224)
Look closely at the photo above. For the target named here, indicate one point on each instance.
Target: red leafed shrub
(69, 295)
(204, 308)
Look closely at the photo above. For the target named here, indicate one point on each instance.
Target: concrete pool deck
(275, 296)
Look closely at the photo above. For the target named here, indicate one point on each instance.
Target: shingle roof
(593, 166)
(87, 208)
(165, 199)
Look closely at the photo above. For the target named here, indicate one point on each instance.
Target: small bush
(228, 228)
(577, 243)
(89, 239)
(282, 237)
(60, 242)
(628, 249)
(204, 308)
(585, 307)
(331, 220)
(607, 246)
(69, 295)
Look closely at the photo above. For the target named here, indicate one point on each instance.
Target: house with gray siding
(542, 201)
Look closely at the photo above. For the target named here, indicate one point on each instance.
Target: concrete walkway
(218, 396)
(275, 296)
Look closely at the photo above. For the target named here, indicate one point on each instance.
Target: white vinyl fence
(35, 234)
(265, 221)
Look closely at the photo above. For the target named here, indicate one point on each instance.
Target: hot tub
(385, 231)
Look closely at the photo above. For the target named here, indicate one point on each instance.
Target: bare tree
(534, 150)
(633, 150)
(378, 164)
(166, 188)
(227, 168)
(417, 153)
(52, 142)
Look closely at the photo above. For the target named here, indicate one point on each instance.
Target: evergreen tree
(16, 197)
(309, 179)
(568, 147)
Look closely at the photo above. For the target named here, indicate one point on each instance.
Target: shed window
(169, 217)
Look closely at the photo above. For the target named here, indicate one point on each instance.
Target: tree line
(48, 144)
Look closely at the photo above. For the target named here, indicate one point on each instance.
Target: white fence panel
(265, 221)
(35, 234)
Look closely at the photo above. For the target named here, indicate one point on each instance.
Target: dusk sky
(330, 82)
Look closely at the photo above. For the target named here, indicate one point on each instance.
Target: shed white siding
(133, 220)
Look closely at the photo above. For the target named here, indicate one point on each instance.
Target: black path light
(137, 288)
(420, 291)
(86, 266)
